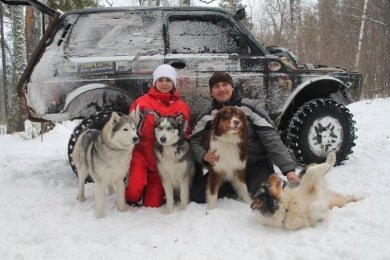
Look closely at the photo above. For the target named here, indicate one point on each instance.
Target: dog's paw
(122, 208)
(211, 206)
(167, 211)
(351, 198)
(99, 215)
(183, 206)
(81, 198)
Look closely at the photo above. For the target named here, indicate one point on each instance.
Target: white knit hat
(164, 70)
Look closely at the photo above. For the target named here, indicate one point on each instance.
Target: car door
(199, 43)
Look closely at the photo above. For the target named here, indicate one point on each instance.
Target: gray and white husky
(174, 159)
(105, 156)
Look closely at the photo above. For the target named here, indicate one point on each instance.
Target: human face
(164, 85)
(222, 92)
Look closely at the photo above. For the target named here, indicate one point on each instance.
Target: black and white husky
(174, 159)
(105, 156)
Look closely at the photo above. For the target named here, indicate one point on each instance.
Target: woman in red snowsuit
(163, 98)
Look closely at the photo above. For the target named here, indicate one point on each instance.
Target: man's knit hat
(220, 76)
(164, 70)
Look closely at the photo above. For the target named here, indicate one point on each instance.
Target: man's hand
(211, 157)
(292, 176)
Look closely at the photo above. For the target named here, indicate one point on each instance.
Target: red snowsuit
(143, 176)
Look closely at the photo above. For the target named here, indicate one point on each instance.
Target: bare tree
(207, 1)
(110, 3)
(278, 12)
(185, 2)
(33, 30)
(15, 121)
(251, 4)
(4, 62)
(154, 2)
(141, 2)
(295, 26)
(361, 33)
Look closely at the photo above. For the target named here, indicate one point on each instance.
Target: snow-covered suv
(97, 60)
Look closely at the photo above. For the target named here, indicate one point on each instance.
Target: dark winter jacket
(264, 142)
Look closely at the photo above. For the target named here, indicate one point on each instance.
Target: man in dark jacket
(265, 147)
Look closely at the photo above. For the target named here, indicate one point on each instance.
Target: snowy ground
(41, 218)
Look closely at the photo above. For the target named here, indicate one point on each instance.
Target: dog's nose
(163, 139)
(135, 139)
(236, 122)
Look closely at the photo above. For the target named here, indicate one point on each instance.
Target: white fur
(234, 126)
(229, 155)
(109, 164)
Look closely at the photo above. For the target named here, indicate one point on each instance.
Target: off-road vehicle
(101, 59)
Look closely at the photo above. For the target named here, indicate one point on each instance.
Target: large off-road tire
(318, 127)
(96, 121)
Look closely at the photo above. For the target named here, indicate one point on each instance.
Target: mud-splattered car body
(110, 54)
(102, 59)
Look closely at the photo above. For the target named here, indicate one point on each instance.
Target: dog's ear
(275, 185)
(244, 121)
(215, 123)
(180, 120)
(136, 115)
(257, 203)
(156, 115)
(115, 118)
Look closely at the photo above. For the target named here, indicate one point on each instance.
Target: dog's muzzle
(135, 140)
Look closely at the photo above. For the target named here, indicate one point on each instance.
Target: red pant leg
(154, 191)
(137, 178)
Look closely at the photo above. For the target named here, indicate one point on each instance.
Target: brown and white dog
(228, 138)
(300, 205)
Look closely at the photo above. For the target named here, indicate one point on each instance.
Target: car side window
(117, 34)
(204, 34)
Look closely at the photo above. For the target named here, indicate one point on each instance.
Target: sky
(41, 218)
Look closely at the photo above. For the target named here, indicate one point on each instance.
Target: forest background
(350, 34)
